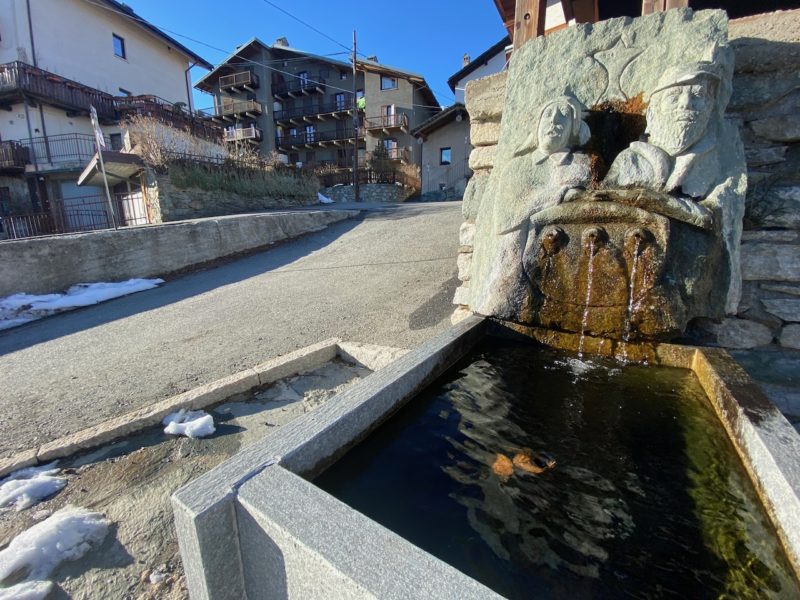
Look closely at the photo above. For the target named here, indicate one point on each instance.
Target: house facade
(58, 57)
(275, 98)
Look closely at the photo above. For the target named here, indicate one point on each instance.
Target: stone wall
(766, 105)
(51, 264)
(169, 202)
(369, 192)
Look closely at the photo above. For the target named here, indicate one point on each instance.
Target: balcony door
(388, 113)
(341, 103)
(311, 133)
(303, 75)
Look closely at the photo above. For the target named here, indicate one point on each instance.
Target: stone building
(275, 98)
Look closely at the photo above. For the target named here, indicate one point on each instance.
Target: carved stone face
(555, 127)
(678, 116)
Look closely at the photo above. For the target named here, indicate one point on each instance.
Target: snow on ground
(193, 424)
(23, 308)
(67, 534)
(24, 488)
(27, 590)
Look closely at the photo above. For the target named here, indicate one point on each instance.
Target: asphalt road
(386, 278)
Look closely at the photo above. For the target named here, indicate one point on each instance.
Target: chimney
(373, 58)
(465, 60)
(282, 41)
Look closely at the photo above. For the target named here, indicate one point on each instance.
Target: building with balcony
(279, 99)
(58, 58)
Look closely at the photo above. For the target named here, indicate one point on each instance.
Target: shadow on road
(176, 290)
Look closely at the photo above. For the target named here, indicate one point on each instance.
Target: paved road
(386, 278)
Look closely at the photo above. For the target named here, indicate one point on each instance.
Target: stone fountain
(615, 204)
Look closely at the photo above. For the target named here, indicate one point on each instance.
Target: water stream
(626, 334)
(585, 320)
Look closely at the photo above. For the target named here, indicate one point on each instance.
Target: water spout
(591, 240)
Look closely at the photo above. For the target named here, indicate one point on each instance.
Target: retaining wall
(368, 192)
(50, 264)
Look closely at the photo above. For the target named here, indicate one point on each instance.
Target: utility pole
(355, 124)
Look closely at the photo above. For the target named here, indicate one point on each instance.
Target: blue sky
(427, 37)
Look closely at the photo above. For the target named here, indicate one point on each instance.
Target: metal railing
(177, 115)
(237, 107)
(70, 148)
(19, 77)
(241, 79)
(316, 137)
(73, 215)
(386, 121)
(13, 156)
(312, 83)
(245, 133)
(314, 109)
(345, 177)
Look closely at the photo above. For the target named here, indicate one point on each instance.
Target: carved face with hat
(681, 106)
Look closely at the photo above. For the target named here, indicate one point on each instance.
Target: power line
(311, 27)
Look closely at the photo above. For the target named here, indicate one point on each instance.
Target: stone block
(771, 236)
(741, 333)
(484, 133)
(793, 290)
(785, 128)
(473, 195)
(786, 309)
(464, 263)
(459, 314)
(778, 206)
(482, 158)
(770, 262)
(790, 336)
(461, 296)
(766, 42)
(466, 234)
(484, 97)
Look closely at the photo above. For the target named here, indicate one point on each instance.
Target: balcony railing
(175, 114)
(251, 134)
(387, 122)
(13, 156)
(398, 154)
(315, 109)
(299, 86)
(244, 79)
(317, 137)
(61, 151)
(18, 78)
(231, 108)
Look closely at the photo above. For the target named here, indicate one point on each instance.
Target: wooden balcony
(13, 157)
(244, 80)
(231, 110)
(176, 115)
(386, 123)
(319, 139)
(299, 87)
(19, 80)
(250, 134)
(400, 154)
(315, 112)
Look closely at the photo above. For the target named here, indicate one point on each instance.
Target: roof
(440, 119)
(478, 62)
(364, 65)
(126, 11)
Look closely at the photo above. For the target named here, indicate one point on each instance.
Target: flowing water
(626, 335)
(647, 500)
(585, 321)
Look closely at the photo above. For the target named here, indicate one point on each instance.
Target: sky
(424, 36)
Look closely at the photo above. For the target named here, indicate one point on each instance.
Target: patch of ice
(22, 308)
(67, 534)
(27, 590)
(24, 488)
(193, 424)
(323, 199)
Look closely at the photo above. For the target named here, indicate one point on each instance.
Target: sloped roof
(440, 119)
(126, 11)
(479, 61)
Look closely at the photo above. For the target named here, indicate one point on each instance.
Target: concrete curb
(203, 396)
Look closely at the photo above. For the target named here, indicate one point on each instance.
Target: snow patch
(24, 488)
(193, 424)
(27, 590)
(23, 308)
(323, 199)
(67, 534)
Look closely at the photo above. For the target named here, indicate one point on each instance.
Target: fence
(58, 149)
(345, 177)
(73, 215)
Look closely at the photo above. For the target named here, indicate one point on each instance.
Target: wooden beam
(528, 20)
(653, 6)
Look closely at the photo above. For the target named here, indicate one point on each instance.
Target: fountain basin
(255, 526)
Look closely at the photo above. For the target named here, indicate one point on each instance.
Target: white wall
(73, 39)
(495, 64)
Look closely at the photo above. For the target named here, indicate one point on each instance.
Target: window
(359, 93)
(119, 45)
(342, 75)
(303, 75)
(311, 133)
(388, 83)
(116, 141)
(124, 92)
(445, 154)
(340, 102)
(293, 132)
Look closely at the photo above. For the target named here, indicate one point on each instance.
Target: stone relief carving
(636, 251)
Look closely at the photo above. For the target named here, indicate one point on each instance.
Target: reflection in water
(647, 499)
